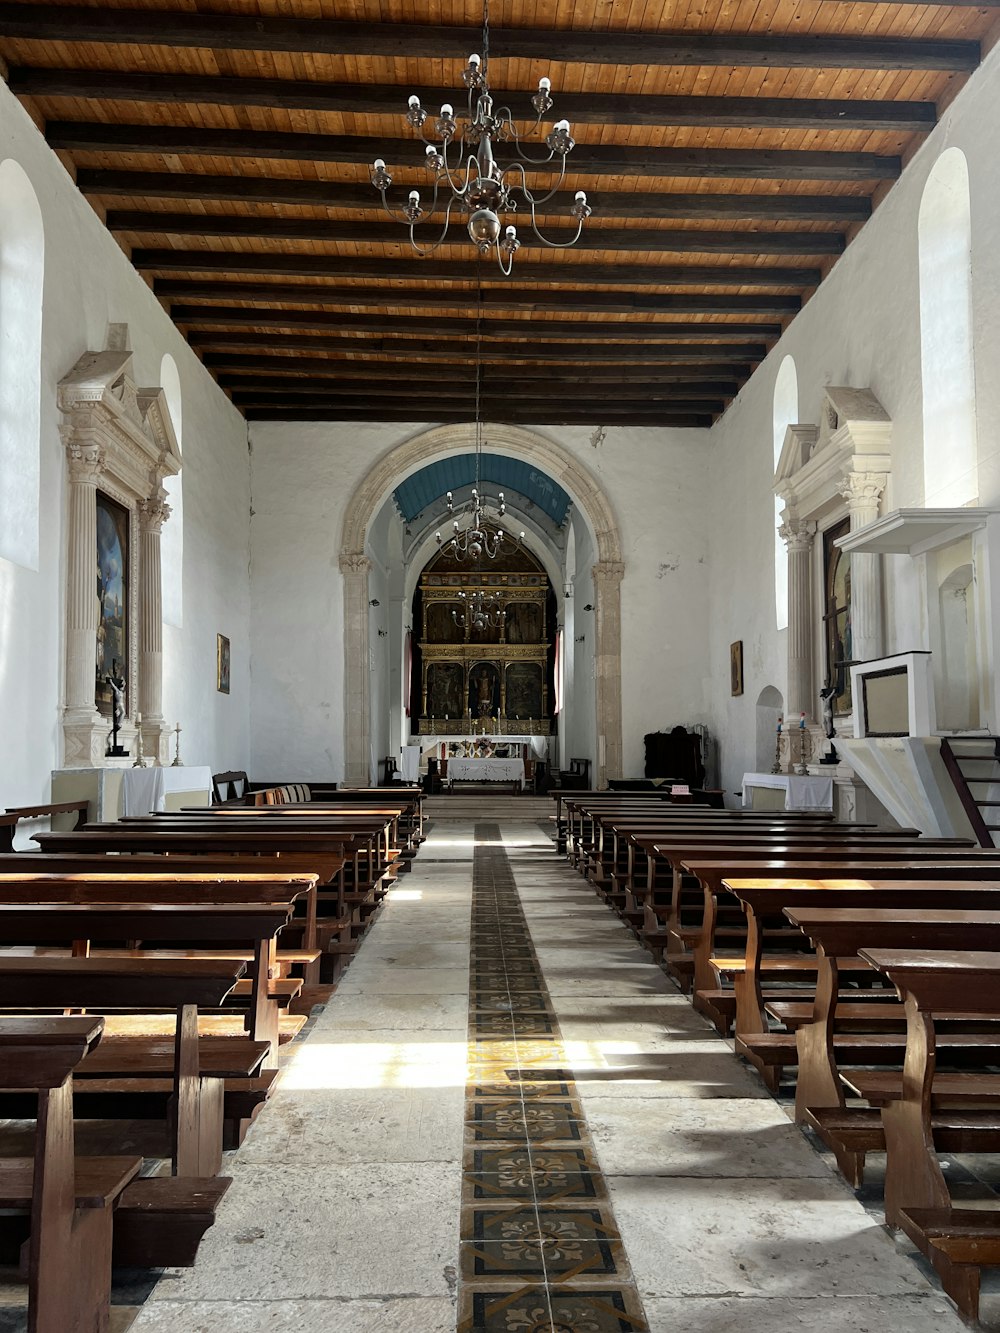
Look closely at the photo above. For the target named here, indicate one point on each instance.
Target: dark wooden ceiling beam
(609, 415)
(701, 241)
(493, 298)
(544, 329)
(245, 32)
(586, 159)
(109, 182)
(412, 348)
(488, 406)
(432, 270)
(445, 385)
(262, 361)
(284, 370)
(384, 100)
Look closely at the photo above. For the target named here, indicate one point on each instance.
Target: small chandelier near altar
(483, 611)
(476, 182)
(476, 540)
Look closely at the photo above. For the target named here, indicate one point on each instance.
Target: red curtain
(407, 670)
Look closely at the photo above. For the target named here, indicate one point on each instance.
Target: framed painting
(112, 592)
(222, 663)
(736, 668)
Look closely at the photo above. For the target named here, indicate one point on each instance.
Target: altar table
(145, 790)
(801, 793)
(486, 770)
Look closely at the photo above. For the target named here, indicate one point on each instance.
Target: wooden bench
(69, 1201)
(958, 1242)
(17, 813)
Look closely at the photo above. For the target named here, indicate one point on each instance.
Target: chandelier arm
(508, 268)
(396, 217)
(533, 199)
(430, 249)
(459, 191)
(556, 245)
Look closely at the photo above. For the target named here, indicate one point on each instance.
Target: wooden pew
(933, 985)
(70, 1200)
(16, 813)
(900, 914)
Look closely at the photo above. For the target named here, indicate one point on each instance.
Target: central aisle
(550, 1141)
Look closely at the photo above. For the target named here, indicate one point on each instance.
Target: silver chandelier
(483, 610)
(476, 182)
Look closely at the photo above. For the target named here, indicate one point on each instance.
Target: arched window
(785, 414)
(172, 540)
(22, 267)
(944, 232)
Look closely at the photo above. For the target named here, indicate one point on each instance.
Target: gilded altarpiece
(494, 679)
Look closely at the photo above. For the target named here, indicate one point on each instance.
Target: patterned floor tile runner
(540, 1249)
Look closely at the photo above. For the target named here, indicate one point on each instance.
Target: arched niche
(355, 564)
(770, 706)
(22, 272)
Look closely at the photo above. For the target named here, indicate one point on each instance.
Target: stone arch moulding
(559, 464)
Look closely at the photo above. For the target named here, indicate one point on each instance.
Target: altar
(486, 770)
(787, 791)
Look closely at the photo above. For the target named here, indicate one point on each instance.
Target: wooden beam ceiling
(729, 160)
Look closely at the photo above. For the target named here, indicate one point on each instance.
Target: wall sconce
(374, 602)
(383, 633)
(579, 638)
(589, 606)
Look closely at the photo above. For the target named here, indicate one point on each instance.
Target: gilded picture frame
(736, 668)
(222, 664)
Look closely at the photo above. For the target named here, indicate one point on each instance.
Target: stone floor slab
(414, 1314)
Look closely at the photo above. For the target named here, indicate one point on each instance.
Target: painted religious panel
(441, 627)
(445, 690)
(112, 598)
(524, 622)
(524, 690)
(837, 617)
(484, 690)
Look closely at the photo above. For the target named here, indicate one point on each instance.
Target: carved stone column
(86, 462)
(863, 491)
(153, 513)
(798, 537)
(355, 567)
(608, 576)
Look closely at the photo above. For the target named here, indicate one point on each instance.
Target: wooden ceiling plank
(647, 330)
(670, 353)
(255, 32)
(587, 159)
(316, 229)
(430, 270)
(283, 370)
(499, 298)
(378, 99)
(112, 183)
(609, 414)
(442, 385)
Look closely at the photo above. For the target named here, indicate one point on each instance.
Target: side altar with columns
(119, 441)
(827, 474)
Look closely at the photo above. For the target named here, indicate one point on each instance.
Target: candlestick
(177, 756)
(140, 761)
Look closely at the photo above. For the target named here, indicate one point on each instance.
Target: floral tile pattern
(540, 1249)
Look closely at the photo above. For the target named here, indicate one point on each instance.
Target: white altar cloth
(144, 790)
(486, 770)
(801, 793)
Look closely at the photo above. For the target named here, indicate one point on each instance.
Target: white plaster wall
(303, 478)
(861, 328)
(89, 284)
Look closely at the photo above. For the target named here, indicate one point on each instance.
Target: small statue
(827, 695)
(116, 683)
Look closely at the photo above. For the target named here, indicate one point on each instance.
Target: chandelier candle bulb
(414, 101)
(544, 85)
(475, 61)
(447, 111)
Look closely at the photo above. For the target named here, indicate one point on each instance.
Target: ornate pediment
(817, 462)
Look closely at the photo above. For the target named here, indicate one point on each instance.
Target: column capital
(797, 534)
(86, 463)
(863, 491)
(608, 571)
(153, 513)
(354, 562)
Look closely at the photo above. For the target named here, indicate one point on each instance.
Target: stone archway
(355, 565)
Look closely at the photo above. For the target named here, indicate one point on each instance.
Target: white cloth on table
(801, 793)
(144, 790)
(409, 763)
(486, 770)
